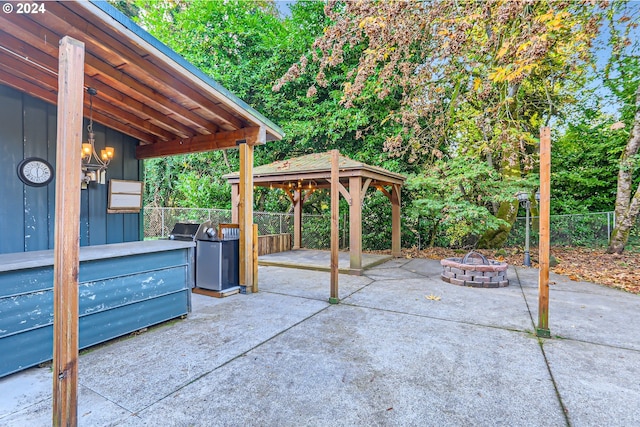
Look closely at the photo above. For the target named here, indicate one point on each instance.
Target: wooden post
(66, 248)
(335, 199)
(245, 215)
(255, 258)
(234, 203)
(297, 218)
(396, 231)
(355, 224)
(545, 198)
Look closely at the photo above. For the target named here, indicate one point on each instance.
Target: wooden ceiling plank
(14, 65)
(76, 26)
(199, 144)
(127, 128)
(34, 41)
(133, 120)
(165, 126)
(32, 88)
(145, 95)
(36, 35)
(26, 72)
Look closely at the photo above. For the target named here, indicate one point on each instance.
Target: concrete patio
(402, 348)
(309, 259)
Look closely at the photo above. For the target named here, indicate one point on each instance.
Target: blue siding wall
(28, 129)
(117, 296)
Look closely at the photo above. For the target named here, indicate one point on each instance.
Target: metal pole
(162, 226)
(527, 257)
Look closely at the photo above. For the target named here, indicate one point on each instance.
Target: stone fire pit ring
(475, 270)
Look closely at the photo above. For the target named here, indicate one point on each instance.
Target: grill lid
(184, 231)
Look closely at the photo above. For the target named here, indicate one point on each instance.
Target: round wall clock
(35, 171)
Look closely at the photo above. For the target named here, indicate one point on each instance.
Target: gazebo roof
(316, 167)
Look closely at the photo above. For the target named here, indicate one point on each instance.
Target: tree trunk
(494, 239)
(627, 207)
(508, 211)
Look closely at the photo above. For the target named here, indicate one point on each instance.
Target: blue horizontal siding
(116, 296)
(32, 310)
(25, 281)
(109, 324)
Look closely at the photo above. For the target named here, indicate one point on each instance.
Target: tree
(585, 156)
(622, 77)
(246, 47)
(627, 205)
(475, 78)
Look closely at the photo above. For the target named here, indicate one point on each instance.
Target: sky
(283, 7)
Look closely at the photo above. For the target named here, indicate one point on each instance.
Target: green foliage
(585, 161)
(192, 181)
(457, 196)
(462, 115)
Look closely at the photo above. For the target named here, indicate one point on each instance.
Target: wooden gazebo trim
(355, 178)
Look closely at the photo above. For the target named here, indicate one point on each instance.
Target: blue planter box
(123, 288)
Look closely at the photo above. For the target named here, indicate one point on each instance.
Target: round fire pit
(475, 270)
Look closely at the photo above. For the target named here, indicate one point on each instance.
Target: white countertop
(34, 259)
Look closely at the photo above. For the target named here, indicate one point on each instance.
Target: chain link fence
(588, 230)
(158, 223)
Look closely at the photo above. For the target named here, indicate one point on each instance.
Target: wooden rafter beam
(99, 41)
(50, 97)
(218, 141)
(47, 80)
(345, 193)
(31, 40)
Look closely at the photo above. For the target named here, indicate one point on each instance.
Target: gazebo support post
(245, 216)
(297, 218)
(355, 225)
(396, 248)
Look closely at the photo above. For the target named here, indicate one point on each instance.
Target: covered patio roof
(145, 89)
(301, 176)
(58, 50)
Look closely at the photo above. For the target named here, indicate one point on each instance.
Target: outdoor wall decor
(125, 196)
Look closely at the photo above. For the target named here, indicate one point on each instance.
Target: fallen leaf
(432, 297)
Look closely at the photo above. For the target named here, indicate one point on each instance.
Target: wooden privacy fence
(272, 243)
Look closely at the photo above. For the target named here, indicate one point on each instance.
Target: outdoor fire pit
(475, 270)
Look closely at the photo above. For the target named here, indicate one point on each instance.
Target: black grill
(184, 231)
(216, 259)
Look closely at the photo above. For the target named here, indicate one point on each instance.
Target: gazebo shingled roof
(302, 175)
(316, 166)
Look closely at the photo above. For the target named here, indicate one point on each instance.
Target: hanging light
(94, 167)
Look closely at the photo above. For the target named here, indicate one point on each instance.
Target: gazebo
(300, 176)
